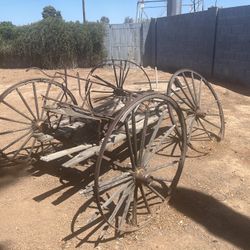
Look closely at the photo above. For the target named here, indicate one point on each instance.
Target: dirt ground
(41, 208)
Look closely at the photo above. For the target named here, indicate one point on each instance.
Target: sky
(21, 12)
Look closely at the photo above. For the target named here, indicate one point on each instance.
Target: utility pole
(83, 11)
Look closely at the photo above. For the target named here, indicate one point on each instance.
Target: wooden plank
(113, 140)
(82, 156)
(65, 152)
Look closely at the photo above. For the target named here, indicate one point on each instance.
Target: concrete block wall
(186, 41)
(232, 50)
(216, 43)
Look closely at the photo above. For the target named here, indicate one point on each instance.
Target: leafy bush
(51, 43)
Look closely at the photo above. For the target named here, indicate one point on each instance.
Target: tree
(50, 11)
(128, 20)
(104, 20)
(7, 31)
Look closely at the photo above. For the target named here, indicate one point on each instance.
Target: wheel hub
(142, 176)
(38, 126)
(119, 92)
(200, 114)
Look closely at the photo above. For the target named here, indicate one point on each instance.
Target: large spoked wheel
(23, 120)
(201, 107)
(140, 162)
(111, 83)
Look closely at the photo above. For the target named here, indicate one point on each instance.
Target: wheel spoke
(157, 147)
(58, 98)
(16, 110)
(156, 129)
(22, 146)
(161, 166)
(127, 206)
(36, 100)
(16, 140)
(45, 99)
(32, 147)
(189, 105)
(101, 91)
(195, 94)
(188, 87)
(134, 211)
(143, 136)
(205, 129)
(131, 150)
(208, 114)
(25, 103)
(115, 73)
(14, 131)
(97, 99)
(125, 76)
(199, 94)
(124, 196)
(190, 128)
(106, 82)
(156, 192)
(134, 136)
(185, 94)
(211, 123)
(145, 199)
(11, 120)
(120, 74)
(115, 194)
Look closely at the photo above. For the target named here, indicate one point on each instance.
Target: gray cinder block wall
(186, 41)
(216, 43)
(232, 50)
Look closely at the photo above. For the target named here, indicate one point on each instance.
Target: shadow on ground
(10, 172)
(217, 218)
(237, 88)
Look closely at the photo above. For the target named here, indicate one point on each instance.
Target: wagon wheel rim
(23, 117)
(201, 107)
(135, 183)
(115, 90)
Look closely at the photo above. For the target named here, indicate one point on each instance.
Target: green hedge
(51, 43)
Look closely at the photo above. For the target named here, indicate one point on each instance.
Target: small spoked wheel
(140, 162)
(111, 83)
(201, 108)
(23, 119)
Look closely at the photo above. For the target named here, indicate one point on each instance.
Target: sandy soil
(41, 208)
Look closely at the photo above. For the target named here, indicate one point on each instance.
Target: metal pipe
(174, 7)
